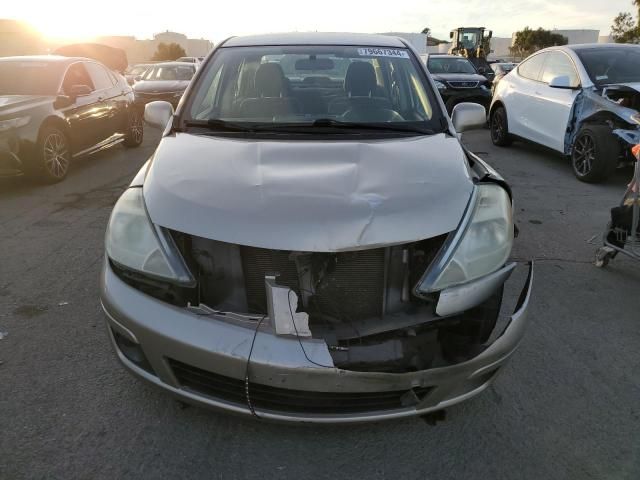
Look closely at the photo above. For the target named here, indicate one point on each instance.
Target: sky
(216, 20)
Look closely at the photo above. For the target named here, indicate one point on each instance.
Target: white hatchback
(580, 100)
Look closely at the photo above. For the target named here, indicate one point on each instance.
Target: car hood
(314, 196)
(10, 104)
(160, 86)
(459, 77)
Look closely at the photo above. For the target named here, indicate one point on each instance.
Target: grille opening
(232, 390)
(360, 303)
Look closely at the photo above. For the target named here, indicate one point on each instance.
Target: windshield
(30, 77)
(450, 65)
(303, 84)
(169, 72)
(611, 65)
(138, 69)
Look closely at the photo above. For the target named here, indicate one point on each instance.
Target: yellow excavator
(473, 43)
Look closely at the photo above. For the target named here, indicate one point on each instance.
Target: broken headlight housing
(480, 246)
(134, 243)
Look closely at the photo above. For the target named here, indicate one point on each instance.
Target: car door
(519, 96)
(109, 97)
(85, 115)
(554, 105)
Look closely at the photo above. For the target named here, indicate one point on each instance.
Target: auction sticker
(382, 52)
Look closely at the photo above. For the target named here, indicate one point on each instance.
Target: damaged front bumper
(204, 360)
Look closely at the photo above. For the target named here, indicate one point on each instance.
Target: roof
(444, 55)
(314, 38)
(43, 58)
(585, 46)
(170, 63)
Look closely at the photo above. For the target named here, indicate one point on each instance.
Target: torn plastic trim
(460, 298)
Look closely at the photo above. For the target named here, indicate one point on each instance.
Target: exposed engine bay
(616, 106)
(363, 304)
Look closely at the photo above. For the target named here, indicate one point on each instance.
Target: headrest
(360, 80)
(270, 80)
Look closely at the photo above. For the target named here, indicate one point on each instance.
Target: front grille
(259, 262)
(352, 287)
(265, 397)
(463, 84)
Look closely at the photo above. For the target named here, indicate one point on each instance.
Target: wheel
(52, 157)
(500, 128)
(603, 257)
(135, 130)
(595, 153)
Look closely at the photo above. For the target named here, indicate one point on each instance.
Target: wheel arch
(60, 124)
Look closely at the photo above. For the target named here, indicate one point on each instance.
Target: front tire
(135, 129)
(50, 163)
(500, 128)
(595, 153)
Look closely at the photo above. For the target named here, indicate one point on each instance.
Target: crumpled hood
(160, 86)
(322, 196)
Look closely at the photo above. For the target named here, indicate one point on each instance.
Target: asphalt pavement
(567, 406)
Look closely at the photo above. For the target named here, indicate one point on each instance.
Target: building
(140, 51)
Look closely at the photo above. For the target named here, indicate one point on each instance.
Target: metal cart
(622, 234)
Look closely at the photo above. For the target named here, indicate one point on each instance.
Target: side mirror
(468, 116)
(79, 91)
(451, 35)
(63, 101)
(158, 114)
(562, 81)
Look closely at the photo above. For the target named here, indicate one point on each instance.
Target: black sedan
(458, 81)
(54, 109)
(164, 81)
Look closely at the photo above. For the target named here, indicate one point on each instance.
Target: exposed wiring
(246, 371)
(298, 335)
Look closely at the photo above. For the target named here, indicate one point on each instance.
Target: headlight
(13, 123)
(482, 247)
(132, 241)
(440, 85)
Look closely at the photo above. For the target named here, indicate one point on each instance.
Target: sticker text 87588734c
(383, 52)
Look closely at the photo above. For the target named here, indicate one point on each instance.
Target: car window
(559, 64)
(77, 75)
(610, 65)
(442, 65)
(99, 75)
(532, 66)
(301, 84)
(169, 72)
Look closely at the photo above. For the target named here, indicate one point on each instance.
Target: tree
(170, 51)
(528, 41)
(624, 28)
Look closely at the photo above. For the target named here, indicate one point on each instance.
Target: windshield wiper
(388, 127)
(220, 125)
